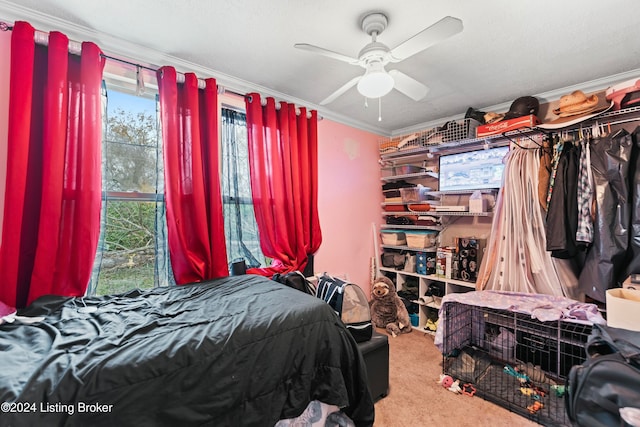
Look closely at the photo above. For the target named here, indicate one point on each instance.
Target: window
(132, 252)
(239, 219)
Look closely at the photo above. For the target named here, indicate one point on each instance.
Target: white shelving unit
(430, 308)
(422, 152)
(426, 162)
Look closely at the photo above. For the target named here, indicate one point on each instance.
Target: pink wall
(349, 197)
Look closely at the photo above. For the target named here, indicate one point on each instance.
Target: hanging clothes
(557, 152)
(516, 258)
(562, 214)
(544, 173)
(605, 259)
(584, 234)
(633, 251)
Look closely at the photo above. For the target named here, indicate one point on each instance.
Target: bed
(236, 351)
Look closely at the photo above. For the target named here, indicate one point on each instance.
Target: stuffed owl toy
(387, 309)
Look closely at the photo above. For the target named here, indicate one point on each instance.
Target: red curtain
(52, 202)
(192, 182)
(283, 162)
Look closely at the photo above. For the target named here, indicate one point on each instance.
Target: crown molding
(126, 50)
(138, 54)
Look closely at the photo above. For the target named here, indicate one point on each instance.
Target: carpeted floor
(416, 399)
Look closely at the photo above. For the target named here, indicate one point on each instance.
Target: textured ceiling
(507, 48)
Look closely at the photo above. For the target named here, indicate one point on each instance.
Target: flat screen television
(472, 170)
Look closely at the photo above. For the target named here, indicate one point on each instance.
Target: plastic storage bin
(407, 169)
(395, 238)
(414, 194)
(421, 239)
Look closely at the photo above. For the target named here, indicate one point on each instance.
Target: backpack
(349, 302)
(295, 280)
(607, 384)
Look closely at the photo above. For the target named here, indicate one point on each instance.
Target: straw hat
(576, 103)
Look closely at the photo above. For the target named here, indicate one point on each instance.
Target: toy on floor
(387, 309)
(534, 372)
(523, 378)
(536, 392)
(431, 325)
(447, 382)
(559, 390)
(468, 389)
(535, 407)
(455, 387)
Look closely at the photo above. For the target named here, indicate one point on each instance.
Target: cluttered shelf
(410, 227)
(423, 143)
(432, 277)
(409, 248)
(436, 213)
(416, 175)
(426, 142)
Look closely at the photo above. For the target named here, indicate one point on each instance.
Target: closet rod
(591, 123)
(607, 123)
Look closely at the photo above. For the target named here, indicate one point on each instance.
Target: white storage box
(395, 238)
(477, 203)
(623, 308)
(421, 239)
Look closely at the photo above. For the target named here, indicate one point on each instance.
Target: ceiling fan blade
(408, 85)
(351, 83)
(326, 52)
(441, 30)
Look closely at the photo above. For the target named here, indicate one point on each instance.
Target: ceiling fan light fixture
(376, 82)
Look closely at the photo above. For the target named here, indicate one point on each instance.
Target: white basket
(421, 240)
(459, 130)
(454, 130)
(412, 142)
(395, 238)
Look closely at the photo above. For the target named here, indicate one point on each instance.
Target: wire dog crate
(512, 359)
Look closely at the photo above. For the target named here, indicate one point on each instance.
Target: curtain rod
(75, 48)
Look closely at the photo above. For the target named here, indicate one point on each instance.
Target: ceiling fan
(376, 81)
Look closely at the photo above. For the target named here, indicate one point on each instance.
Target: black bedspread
(238, 351)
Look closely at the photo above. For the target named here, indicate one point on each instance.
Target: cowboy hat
(576, 103)
(565, 121)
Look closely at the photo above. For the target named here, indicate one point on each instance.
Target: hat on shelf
(575, 108)
(523, 106)
(576, 103)
(624, 94)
